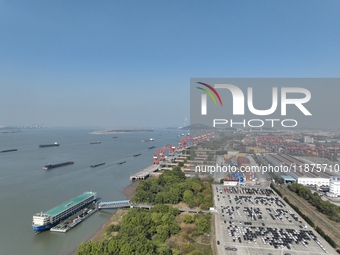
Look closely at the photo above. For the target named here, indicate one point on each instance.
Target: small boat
(122, 162)
(95, 142)
(75, 222)
(151, 147)
(114, 136)
(136, 155)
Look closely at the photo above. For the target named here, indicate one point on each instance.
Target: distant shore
(119, 131)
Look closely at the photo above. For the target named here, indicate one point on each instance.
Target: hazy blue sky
(129, 63)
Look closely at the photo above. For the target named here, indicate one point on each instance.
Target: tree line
(137, 230)
(162, 230)
(173, 187)
(325, 207)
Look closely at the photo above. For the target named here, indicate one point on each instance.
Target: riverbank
(119, 131)
(129, 192)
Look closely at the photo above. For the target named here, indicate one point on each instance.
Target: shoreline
(122, 131)
(128, 192)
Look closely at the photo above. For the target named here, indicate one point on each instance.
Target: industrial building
(308, 139)
(334, 186)
(310, 181)
(287, 179)
(255, 150)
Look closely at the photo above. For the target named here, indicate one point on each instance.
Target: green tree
(188, 219)
(113, 246)
(164, 250)
(126, 249)
(84, 248)
(163, 232)
(196, 187)
(188, 197)
(203, 225)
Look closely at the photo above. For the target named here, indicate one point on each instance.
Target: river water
(26, 189)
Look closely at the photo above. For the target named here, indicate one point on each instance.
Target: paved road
(219, 232)
(219, 175)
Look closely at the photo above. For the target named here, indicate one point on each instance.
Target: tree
(188, 219)
(175, 252)
(126, 249)
(188, 197)
(113, 246)
(163, 232)
(84, 248)
(203, 225)
(163, 250)
(196, 187)
(156, 217)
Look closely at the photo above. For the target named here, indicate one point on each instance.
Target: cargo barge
(48, 145)
(74, 220)
(100, 164)
(51, 166)
(149, 140)
(9, 150)
(47, 220)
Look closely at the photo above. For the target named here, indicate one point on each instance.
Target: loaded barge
(48, 145)
(9, 150)
(47, 220)
(100, 164)
(51, 166)
(75, 219)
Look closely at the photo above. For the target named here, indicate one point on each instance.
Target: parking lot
(254, 220)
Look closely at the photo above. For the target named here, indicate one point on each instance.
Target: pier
(128, 204)
(143, 174)
(114, 204)
(190, 210)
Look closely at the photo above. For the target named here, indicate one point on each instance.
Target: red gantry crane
(161, 153)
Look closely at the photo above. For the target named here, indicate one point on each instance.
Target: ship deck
(64, 206)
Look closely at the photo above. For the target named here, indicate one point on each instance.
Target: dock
(114, 204)
(128, 204)
(75, 219)
(143, 174)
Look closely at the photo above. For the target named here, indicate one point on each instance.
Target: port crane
(161, 153)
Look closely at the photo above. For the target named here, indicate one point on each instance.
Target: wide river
(26, 189)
